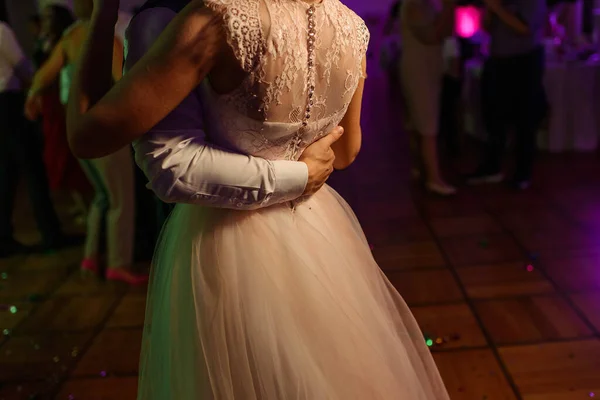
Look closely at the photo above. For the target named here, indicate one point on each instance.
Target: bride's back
(303, 64)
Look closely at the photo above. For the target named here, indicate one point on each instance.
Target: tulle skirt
(278, 304)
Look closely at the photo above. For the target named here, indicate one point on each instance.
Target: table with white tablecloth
(573, 92)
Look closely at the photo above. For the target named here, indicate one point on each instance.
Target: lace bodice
(303, 64)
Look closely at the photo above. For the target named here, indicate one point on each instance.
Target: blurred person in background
(39, 49)
(21, 152)
(63, 169)
(450, 100)
(512, 87)
(111, 176)
(425, 24)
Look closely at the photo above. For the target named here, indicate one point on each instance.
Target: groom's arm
(183, 168)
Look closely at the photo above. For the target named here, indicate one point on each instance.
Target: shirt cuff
(291, 178)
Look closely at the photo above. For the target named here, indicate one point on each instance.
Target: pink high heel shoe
(121, 275)
(89, 266)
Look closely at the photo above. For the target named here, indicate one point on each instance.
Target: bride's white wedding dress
(285, 302)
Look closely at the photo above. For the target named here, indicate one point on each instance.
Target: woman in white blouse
(425, 25)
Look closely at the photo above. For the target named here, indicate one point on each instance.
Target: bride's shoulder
(242, 27)
(229, 5)
(358, 23)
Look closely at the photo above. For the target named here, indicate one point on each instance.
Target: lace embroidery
(243, 28)
(302, 74)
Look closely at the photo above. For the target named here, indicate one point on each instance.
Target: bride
(283, 301)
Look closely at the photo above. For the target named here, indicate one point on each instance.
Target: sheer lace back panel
(303, 63)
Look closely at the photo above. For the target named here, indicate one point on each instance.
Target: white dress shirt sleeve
(183, 168)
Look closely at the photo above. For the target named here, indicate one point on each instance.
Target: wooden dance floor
(505, 285)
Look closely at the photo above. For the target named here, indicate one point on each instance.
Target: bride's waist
(236, 206)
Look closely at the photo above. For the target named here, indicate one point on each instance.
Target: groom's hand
(319, 158)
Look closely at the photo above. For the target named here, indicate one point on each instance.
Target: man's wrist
(291, 178)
